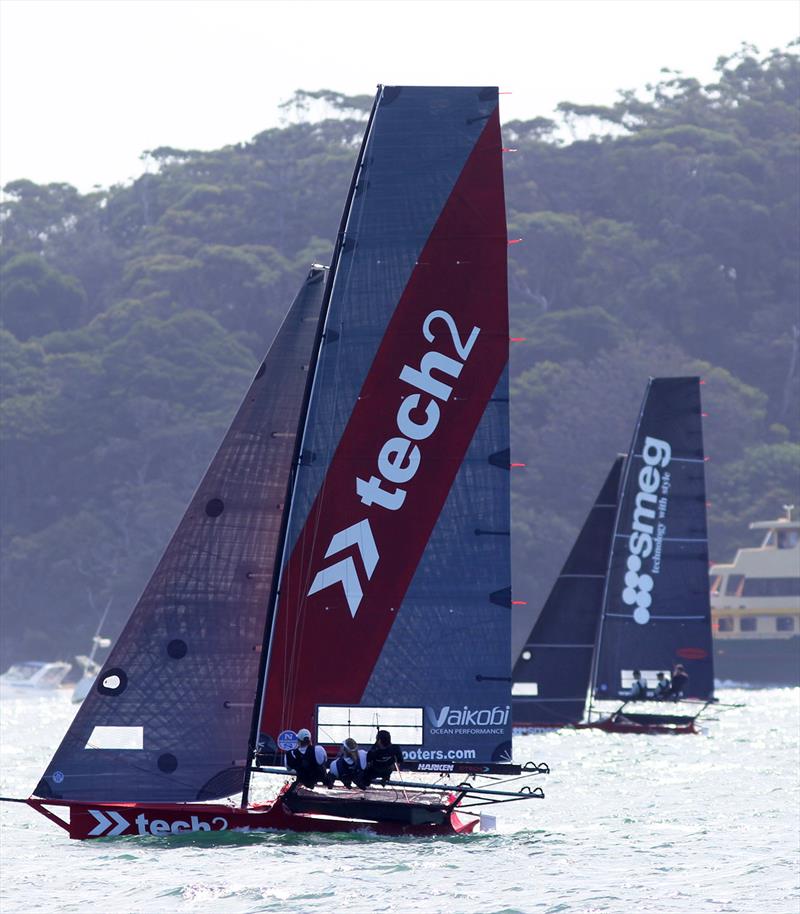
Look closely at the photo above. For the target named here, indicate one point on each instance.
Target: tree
(38, 299)
(663, 242)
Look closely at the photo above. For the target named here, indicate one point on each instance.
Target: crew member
(680, 679)
(383, 759)
(349, 765)
(662, 686)
(307, 761)
(638, 689)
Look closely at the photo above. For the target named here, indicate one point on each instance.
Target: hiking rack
(462, 789)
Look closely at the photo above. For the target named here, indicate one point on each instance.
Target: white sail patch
(116, 738)
(336, 722)
(525, 689)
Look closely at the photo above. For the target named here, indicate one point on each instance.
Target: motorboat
(35, 676)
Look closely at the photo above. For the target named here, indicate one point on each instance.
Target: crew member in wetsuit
(680, 679)
(349, 765)
(662, 686)
(638, 689)
(308, 762)
(383, 759)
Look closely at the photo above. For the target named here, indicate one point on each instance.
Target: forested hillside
(133, 318)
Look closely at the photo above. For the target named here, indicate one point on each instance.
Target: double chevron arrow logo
(104, 822)
(344, 571)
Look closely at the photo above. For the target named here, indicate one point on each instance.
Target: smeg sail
(648, 610)
(344, 564)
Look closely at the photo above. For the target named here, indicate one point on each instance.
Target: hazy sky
(87, 85)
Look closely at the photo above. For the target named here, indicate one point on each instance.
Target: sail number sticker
(287, 740)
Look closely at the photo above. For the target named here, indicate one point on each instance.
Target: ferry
(755, 608)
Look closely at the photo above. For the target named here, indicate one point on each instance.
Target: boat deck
(388, 804)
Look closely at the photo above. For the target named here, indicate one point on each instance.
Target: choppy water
(650, 825)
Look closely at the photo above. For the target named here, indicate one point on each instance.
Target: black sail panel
(170, 714)
(656, 611)
(551, 675)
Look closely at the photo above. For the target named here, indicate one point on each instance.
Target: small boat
(89, 664)
(755, 608)
(344, 564)
(90, 668)
(34, 677)
(632, 594)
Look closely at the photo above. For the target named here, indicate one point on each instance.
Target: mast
(622, 488)
(260, 696)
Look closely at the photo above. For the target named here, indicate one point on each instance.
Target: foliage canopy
(134, 316)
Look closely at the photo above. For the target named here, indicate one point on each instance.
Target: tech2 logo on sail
(648, 528)
(399, 458)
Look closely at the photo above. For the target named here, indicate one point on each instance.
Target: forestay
(656, 607)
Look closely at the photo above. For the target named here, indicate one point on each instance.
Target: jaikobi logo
(468, 720)
(648, 530)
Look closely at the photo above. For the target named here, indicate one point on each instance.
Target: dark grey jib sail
(656, 609)
(551, 676)
(170, 715)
